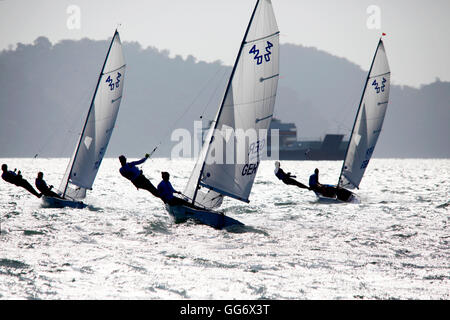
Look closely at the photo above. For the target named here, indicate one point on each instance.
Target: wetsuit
(16, 179)
(132, 173)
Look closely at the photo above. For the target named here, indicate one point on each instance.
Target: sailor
(314, 180)
(41, 185)
(326, 190)
(135, 175)
(165, 188)
(166, 191)
(18, 180)
(286, 177)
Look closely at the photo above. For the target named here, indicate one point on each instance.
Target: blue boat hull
(213, 219)
(336, 195)
(50, 202)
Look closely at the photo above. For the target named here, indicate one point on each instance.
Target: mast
(359, 109)
(224, 97)
(89, 112)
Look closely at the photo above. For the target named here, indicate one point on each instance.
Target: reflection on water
(394, 244)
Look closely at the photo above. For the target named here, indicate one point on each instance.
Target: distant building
(332, 147)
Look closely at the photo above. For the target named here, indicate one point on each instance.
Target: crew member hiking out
(18, 180)
(287, 178)
(136, 176)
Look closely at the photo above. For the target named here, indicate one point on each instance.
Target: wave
(443, 206)
(15, 264)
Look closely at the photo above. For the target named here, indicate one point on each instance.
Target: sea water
(393, 244)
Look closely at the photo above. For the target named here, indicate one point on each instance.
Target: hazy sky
(417, 42)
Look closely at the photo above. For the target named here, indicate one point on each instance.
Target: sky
(417, 41)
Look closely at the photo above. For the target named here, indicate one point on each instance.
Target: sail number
(258, 57)
(369, 153)
(100, 157)
(110, 81)
(378, 88)
(364, 164)
(256, 147)
(249, 169)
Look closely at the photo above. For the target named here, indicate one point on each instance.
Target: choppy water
(392, 245)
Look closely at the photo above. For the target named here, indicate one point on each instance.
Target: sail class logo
(111, 82)
(258, 57)
(377, 88)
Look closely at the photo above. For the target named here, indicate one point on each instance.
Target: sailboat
(247, 104)
(96, 133)
(366, 129)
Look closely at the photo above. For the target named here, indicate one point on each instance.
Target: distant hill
(45, 91)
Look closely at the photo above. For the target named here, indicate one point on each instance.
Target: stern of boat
(50, 202)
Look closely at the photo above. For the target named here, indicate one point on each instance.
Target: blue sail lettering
(267, 55)
(375, 84)
(250, 169)
(383, 84)
(110, 83)
(258, 57)
(117, 79)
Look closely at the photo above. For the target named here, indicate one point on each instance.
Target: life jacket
(280, 174)
(313, 180)
(11, 177)
(130, 172)
(41, 185)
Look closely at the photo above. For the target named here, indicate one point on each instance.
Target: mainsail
(368, 122)
(244, 116)
(88, 155)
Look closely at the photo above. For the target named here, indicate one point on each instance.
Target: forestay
(229, 169)
(369, 121)
(88, 155)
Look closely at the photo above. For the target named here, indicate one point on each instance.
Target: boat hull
(213, 219)
(50, 202)
(333, 194)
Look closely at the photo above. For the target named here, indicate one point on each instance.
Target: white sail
(369, 121)
(206, 197)
(100, 121)
(247, 106)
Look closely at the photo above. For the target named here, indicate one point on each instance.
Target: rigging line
(44, 145)
(186, 111)
(214, 93)
(344, 111)
(64, 120)
(72, 118)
